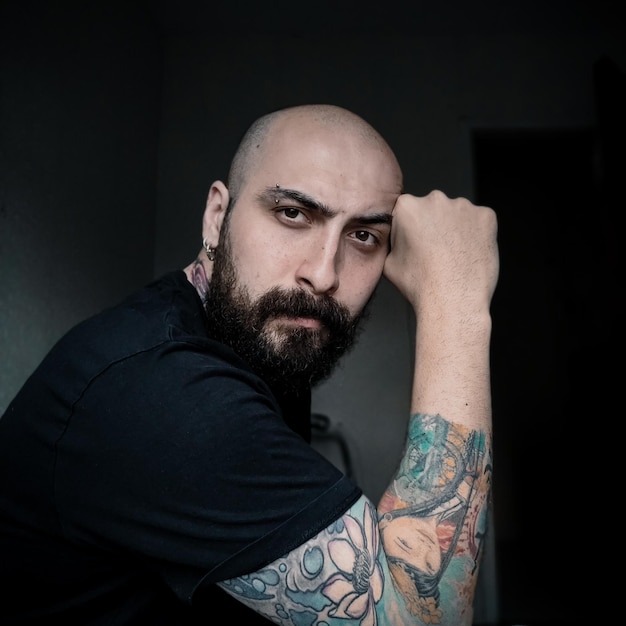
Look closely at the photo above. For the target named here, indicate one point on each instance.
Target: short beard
(287, 358)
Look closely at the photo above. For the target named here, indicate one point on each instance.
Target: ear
(214, 212)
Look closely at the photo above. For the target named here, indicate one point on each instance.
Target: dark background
(116, 116)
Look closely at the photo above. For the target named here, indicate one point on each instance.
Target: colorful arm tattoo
(434, 516)
(430, 526)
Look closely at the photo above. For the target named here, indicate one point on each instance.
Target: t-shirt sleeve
(186, 463)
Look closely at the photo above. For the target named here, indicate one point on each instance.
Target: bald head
(305, 119)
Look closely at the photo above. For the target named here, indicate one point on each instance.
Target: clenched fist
(444, 252)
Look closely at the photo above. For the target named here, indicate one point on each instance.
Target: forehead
(337, 166)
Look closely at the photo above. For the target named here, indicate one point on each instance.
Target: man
(155, 467)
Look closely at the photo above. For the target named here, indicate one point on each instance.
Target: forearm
(433, 514)
(452, 373)
(448, 495)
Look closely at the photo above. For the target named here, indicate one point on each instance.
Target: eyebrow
(279, 193)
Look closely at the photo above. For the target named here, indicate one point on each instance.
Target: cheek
(258, 263)
(359, 284)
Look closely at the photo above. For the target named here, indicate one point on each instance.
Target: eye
(291, 215)
(365, 237)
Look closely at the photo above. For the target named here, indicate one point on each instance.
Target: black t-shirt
(142, 462)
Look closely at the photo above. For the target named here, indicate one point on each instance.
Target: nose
(318, 272)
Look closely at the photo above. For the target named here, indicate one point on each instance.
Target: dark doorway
(556, 356)
(549, 361)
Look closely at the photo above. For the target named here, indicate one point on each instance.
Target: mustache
(297, 303)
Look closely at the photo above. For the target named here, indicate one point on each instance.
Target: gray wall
(80, 99)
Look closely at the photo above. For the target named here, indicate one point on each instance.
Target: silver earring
(210, 250)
